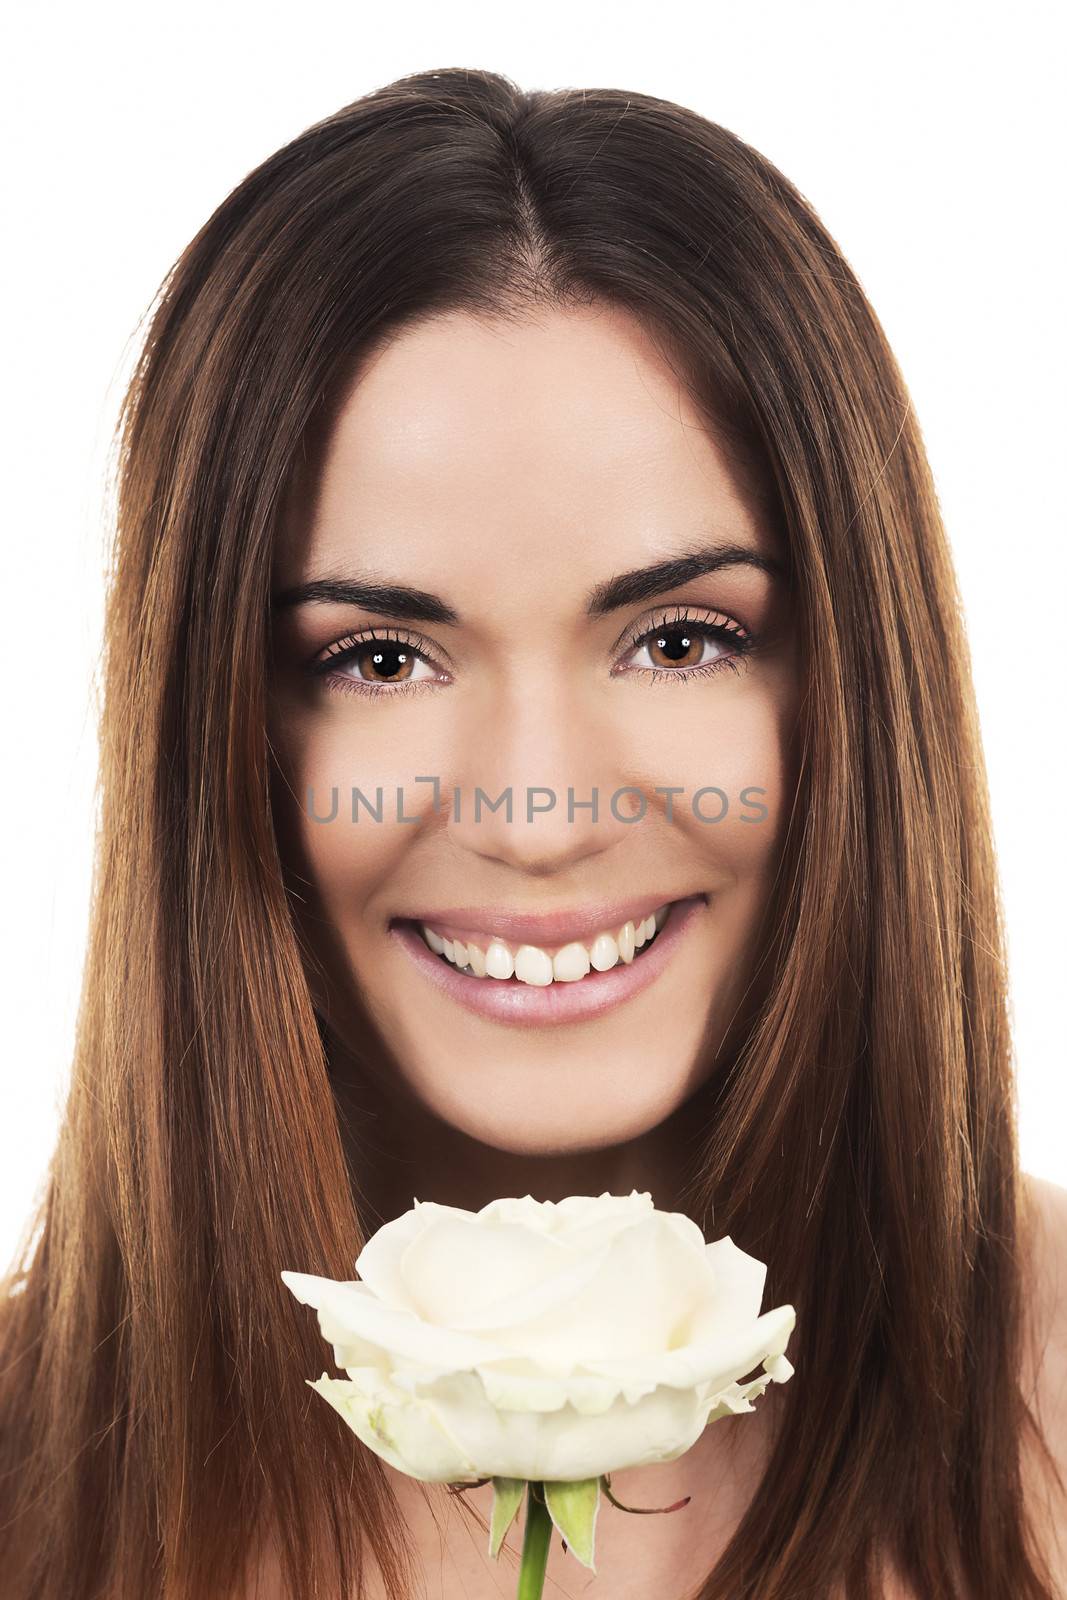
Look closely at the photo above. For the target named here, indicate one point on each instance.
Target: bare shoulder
(265, 1582)
(1044, 1376)
(1045, 1237)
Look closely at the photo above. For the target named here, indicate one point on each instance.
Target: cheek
(727, 752)
(728, 736)
(344, 851)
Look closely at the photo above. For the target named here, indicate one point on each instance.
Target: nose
(562, 766)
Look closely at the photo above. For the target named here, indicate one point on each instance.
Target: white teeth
(498, 960)
(533, 965)
(530, 964)
(570, 963)
(603, 952)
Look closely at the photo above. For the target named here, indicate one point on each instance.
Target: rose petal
(461, 1273)
(539, 1444)
(637, 1302)
(410, 1433)
(367, 1333)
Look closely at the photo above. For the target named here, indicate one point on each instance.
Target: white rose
(543, 1341)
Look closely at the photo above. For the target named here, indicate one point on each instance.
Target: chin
(557, 1098)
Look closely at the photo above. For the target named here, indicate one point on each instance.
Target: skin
(509, 469)
(637, 1556)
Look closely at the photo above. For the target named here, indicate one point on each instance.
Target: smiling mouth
(497, 961)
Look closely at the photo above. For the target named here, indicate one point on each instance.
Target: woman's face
(504, 488)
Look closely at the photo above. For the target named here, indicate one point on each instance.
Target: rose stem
(536, 1539)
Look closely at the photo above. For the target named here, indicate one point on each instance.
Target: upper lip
(549, 927)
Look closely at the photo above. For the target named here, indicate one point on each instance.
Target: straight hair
(861, 1137)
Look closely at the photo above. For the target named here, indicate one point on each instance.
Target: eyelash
(714, 625)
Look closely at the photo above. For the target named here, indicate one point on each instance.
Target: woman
(482, 441)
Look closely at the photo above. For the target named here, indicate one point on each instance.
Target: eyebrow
(626, 589)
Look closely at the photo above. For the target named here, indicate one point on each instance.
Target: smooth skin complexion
(515, 472)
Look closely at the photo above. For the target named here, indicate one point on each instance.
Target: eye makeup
(680, 627)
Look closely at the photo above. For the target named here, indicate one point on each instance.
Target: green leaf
(573, 1508)
(507, 1498)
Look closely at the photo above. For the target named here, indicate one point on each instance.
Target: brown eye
(383, 662)
(683, 648)
(676, 647)
(375, 664)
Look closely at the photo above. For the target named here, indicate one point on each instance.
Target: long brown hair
(154, 1418)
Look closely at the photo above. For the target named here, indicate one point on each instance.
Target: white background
(928, 139)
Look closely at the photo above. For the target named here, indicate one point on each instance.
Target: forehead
(558, 446)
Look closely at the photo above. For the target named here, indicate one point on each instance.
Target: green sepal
(573, 1508)
(507, 1498)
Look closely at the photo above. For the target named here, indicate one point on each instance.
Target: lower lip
(533, 1006)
